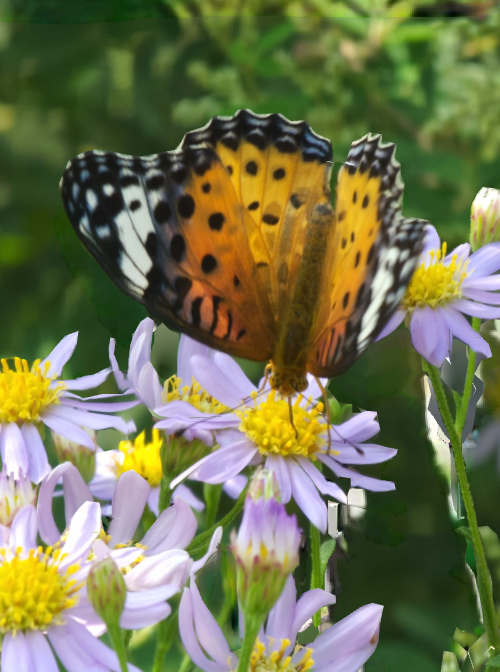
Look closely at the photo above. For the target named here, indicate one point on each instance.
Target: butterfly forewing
(280, 171)
(168, 230)
(370, 260)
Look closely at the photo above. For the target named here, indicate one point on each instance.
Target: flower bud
(106, 591)
(485, 218)
(266, 548)
(178, 454)
(80, 456)
(14, 494)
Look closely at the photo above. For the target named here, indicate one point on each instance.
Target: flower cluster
(129, 551)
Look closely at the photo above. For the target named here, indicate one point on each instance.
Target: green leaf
(325, 552)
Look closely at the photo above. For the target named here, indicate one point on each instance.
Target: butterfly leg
(267, 370)
(327, 410)
(290, 408)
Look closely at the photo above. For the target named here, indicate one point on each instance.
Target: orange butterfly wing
(168, 229)
(372, 255)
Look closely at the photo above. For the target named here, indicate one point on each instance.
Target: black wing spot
(236, 281)
(155, 182)
(241, 333)
(295, 201)
(196, 312)
(152, 244)
(366, 200)
(341, 215)
(359, 297)
(216, 221)
(177, 247)
(129, 181)
(229, 170)
(262, 264)
(370, 254)
(229, 325)
(251, 168)
(358, 257)
(206, 187)
(179, 173)
(114, 204)
(355, 196)
(134, 205)
(345, 300)
(182, 286)
(208, 263)
(279, 173)
(343, 243)
(215, 319)
(352, 236)
(270, 219)
(254, 205)
(186, 206)
(162, 212)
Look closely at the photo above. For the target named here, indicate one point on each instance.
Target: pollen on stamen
(34, 592)
(435, 283)
(141, 456)
(25, 392)
(268, 424)
(194, 394)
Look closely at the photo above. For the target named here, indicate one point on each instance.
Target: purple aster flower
(344, 647)
(31, 396)
(444, 289)
(265, 435)
(159, 559)
(181, 397)
(47, 621)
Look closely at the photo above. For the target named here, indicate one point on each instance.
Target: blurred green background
(134, 77)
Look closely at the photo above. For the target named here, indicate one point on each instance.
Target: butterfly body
(232, 240)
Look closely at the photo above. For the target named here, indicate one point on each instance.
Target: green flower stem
(199, 541)
(484, 584)
(469, 380)
(317, 580)
(127, 636)
(252, 627)
(116, 638)
(164, 638)
(165, 494)
(212, 498)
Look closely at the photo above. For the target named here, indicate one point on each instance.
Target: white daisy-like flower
(445, 288)
(34, 396)
(43, 598)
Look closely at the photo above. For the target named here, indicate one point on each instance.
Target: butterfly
(231, 239)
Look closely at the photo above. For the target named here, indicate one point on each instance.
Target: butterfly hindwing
(372, 256)
(168, 231)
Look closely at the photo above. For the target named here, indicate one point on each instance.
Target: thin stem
(118, 645)
(484, 584)
(212, 498)
(316, 579)
(252, 626)
(469, 381)
(127, 636)
(199, 541)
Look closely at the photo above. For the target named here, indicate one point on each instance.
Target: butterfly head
(288, 381)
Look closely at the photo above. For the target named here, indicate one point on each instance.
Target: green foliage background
(135, 76)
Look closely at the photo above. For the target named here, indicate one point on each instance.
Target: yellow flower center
(436, 284)
(268, 425)
(142, 457)
(276, 661)
(33, 592)
(194, 395)
(25, 392)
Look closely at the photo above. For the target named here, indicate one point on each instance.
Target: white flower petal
(60, 355)
(24, 529)
(83, 530)
(41, 654)
(129, 499)
(88, 382)
(464, 331)
(15, 654)
(305, 494)
(39, 465)
(174, 528)
(216, 383)
(13, 450)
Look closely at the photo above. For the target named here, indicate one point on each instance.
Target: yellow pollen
(276, 661)
(142, 457)
(194, 395)
(33, 592)
(268, 425)
(25, 392)
(436, 284)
